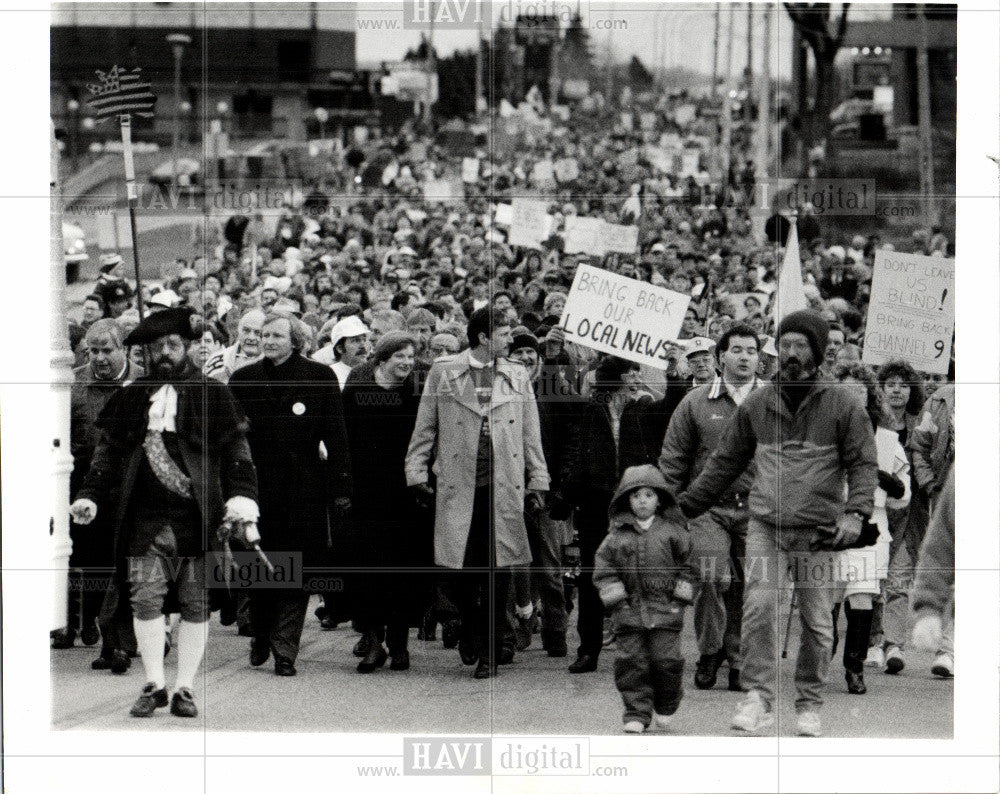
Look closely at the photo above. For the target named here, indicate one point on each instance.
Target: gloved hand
(83, 511)
(891, 484)
(533, 503)
(341, 506)
(848, 531)
(559, 508)
(241, 509)
(423, 495)
(927, 632)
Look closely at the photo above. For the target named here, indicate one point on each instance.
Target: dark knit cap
(391, 343)
(524, 339)
(811, 325)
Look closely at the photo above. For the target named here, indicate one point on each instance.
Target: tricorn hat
(163, 323)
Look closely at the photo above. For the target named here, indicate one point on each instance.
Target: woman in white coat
(863, 569)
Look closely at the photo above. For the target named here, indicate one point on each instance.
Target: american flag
(121, 91)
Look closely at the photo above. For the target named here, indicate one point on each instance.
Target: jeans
(718, 545)
(544, 576)
(772, 555)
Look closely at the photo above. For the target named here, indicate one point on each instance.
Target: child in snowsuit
(644, 576)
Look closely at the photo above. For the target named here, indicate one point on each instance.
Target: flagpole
(133, 197)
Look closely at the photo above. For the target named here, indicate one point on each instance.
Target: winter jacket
(559, 408)
(932, 442)
(694, 431)
(645, 575)
(932, 587)
(800, 460)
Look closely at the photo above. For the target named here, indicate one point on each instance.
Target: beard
(791, 370)
(167, 369)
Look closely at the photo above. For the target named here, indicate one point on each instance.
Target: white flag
(790, 296)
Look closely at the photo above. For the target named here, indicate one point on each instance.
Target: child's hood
(647, 476)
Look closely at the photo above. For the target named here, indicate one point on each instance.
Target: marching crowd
(381, 386)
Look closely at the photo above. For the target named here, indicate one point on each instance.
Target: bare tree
(824, 37)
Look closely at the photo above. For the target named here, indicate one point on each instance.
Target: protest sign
(470, 170)
(911, 312)
(584, 236)
(530, 223)
(504, 215)
(441, 190)
(542, 175)
(622, 316)
(621, 239)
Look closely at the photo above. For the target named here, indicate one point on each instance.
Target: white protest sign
(584, 236)
(911, 312)
(529, 223)
(504, 215)
(470, 169)
(622, 316)
(621, 239)
(543, 175)
(567, 169)
(442, 190)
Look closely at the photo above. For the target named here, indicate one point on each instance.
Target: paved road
(534, 695)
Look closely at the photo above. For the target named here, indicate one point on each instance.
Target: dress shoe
(466, 651)
(91, 635)
(855, 683)
(283, 666)
(321, 611)
(484, 669)
(64, 639)
(400, 661)
(450, 633)
(707, 670)
(327, 623)
(361, 647)
(102, 662)
(149, 701)
(260, 651)
(227, 615)
(554, 643)
(182, 703)
(734, 681)
(121, 661)
(374, 659)
(584, 663)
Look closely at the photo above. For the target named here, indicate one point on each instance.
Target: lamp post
(178, 41)
(322, 116)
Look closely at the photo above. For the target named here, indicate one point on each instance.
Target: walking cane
(788, 626)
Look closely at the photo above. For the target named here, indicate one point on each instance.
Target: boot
(396, 638)
(859, 627)
(376, 655)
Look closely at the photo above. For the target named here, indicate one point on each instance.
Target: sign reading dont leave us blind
(627, 318)
(911, 312)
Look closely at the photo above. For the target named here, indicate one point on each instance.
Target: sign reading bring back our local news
(911, 312)
(621, 316)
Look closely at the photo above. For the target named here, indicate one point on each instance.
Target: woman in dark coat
(606, 450)
(293, 405)
(380, 409)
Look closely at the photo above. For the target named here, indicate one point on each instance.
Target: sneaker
(633, 726)
(944, 665)
(894, 661)
(808, 724)
(182, 703)
(662, 721)
(149, 701)
(752, 714)
(876, 657)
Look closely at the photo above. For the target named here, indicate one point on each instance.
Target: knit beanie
(811, 325)
(524, 339)
(391, 343)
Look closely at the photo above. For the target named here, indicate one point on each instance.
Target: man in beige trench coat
(478, 416)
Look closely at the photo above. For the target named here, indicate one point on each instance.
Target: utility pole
(431, 71)
(479, 57)
(749, 53)
(727, 102)
(179, 41)
(924, 124)
(763, 158)
(715, 51)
